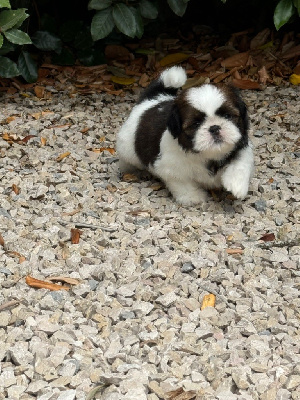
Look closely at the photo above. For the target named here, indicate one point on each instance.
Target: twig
(287, 244)
(9, 304)
(90, 226)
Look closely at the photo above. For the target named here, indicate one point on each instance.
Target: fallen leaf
(36, 283)
(174, 58)
(62, 156)
(234, 251)
(27, 138)
(39, 91)
(84, 130)
(229, 238)
(1, 241)
(75, 235)
(117, 52)
(156, 186)
(22, 259)
(209, 300)
(295, 79)
(70, 281)
(76, 211)
(237, 60)
(15, 189)
(180, 394)
(260, 39)
(7, 137)
(130, 178)
(101, 149)
(123, 81)
(245, 84)
(268, 237)
(43, 141)
(9, 119)
(263, 75)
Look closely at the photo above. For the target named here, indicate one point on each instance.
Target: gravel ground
(133, 327)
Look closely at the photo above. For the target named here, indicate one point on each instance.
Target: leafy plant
(10, 37)
(284, 11)
(128, 18)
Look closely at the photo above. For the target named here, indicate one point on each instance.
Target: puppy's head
(210, 119)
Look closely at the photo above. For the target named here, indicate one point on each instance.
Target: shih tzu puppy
(193, 141)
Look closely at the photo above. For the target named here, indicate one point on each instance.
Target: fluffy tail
(167, 84)
(174, 77)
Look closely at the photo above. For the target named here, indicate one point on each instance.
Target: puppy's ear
(174, 123)
(239, 102)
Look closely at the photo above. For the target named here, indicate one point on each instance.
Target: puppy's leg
(237, 175)
(186, 193)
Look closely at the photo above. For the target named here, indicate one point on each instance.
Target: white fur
(183, 173)
(174, 77)
(126, 136)
(237, 174)
(206, 98)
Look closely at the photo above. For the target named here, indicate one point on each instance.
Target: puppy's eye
(227, 116)
(196, 124)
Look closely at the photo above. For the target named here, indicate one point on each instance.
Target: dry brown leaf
(117, 52)
(62, 156)
(27, 138)
(260, 39)
(263, 75)
(76, 211)
(130, 178)
(180, 394)
(291, 53)
(75, 235)
(43, 141)
(101, 149)
(174, 58)
(156, 186)
(237, 60)
(10, 119)
(234, 251)
(15, 188)
(1, 240)
(245, 84)
(209, 300)
(39, 91)
(84, 130)
(22, 259)
(38, 284)
(268, 237)
(70, 281)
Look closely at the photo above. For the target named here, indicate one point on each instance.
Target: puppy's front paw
(236, 184)
(187, 199)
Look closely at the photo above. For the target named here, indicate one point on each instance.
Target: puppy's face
(210, 119)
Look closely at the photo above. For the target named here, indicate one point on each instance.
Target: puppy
(192, 141)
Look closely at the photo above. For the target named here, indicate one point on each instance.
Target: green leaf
(5, 4)
(283, 12)
(178, 6)
(148, 9)
(17, 37)
(27, 67)
(124, 19)
(102, 24)
(297, 5)
(1, 40)
(7, 47)
(8, 69)
(99, 4)
(138, 21)
(10, 18)
(46, 41)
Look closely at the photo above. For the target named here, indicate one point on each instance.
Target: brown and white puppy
(192, 141)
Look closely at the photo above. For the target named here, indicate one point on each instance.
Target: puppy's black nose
(215, 129)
